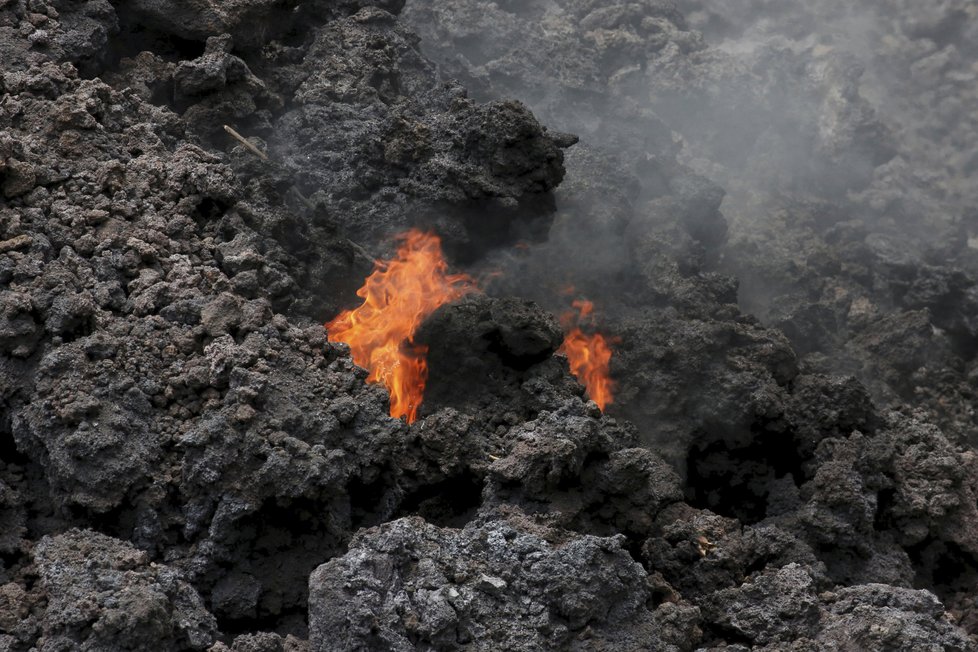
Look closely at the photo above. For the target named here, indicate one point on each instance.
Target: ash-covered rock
(93, 592)
(506, 584)
(876, 616)
(783, 608)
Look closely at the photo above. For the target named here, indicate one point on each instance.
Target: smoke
(848, 163)
(821, 154)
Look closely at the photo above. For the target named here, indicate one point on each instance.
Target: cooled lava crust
(772, 207)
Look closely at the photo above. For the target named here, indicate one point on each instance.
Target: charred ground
(186, 463)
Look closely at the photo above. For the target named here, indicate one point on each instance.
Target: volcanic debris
(771, 203)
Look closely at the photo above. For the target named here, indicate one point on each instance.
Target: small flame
(589, 356)
(397, 297)
(586, 308)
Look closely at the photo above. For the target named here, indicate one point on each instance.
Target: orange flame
(397, 297)
(585, 307)
(589, 356)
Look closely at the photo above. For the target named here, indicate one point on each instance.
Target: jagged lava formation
(188, 463)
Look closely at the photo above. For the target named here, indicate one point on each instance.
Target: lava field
(488, 325)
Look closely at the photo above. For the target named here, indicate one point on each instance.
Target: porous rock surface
(187, 463)
(100, 593)
(507, 585)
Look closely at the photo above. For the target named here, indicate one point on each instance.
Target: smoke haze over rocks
(771, 205)
(836, 134)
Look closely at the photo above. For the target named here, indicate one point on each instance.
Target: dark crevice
(208, 210)
(633, 545)
(370, 502)
(135, 37)
(274, 552)
(288, 619)
(881, 518)
(10, 560)
(572, 481)
(943, 567)
(117, 522)
(658, 596)
(715, 633)
(516, 362)
(449, 503)
(757, 565)
(734, 479)
(9, 452)
(82, 327)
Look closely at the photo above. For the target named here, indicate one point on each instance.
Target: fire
(589, 355)
(397, 297)
(401, 293)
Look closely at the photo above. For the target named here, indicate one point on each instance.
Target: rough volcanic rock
(486, 353)
(184, 457)
(689, 379)
(385, 140)
(213, 71)
(201, 19)
(151, 383)
(500, 585)
(114, 315)
(781, 609)
(904, 486)
(700, 553)
(777, 607)
(880, 617)
(96, 593)
(38, 31)
(586, 472)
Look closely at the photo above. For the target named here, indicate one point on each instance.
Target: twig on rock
(263, 156)
(241, 139)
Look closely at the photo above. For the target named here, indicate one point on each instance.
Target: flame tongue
(589, 356)
(401, 293)
(397, 297)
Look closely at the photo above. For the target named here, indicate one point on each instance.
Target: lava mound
(474, 325)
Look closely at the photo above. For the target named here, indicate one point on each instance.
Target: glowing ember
(589, 355)
(397, 297)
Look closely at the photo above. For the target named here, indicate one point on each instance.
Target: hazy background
(822, 154)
